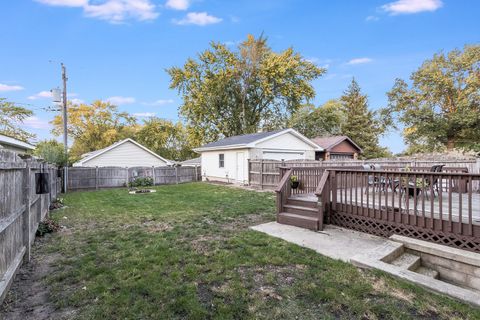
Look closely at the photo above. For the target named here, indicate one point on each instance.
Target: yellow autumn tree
(95, 126)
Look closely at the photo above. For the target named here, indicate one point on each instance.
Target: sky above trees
(118, 50)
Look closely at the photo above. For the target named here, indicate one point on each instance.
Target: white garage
(227, 159)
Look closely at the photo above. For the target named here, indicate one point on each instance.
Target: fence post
(96, 178)
(26, 214)
(261, 174)
(126, 179)
(196, 173)
(176, 174)
(153, 174)
(249, 168)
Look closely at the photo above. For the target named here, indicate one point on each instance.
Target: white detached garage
(227, 159)
(125, 153)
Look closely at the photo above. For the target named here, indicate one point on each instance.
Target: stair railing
(283, 190)
(323, 193)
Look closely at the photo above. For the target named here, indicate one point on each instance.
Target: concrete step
(427, 272)
(407, 261)
(298, 220)
(304, 211)
(302, 203)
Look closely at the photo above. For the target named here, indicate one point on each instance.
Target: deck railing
(440, 207)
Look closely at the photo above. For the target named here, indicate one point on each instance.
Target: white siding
(125, 155)
(14, 148)
(212, 171)
(286, 141)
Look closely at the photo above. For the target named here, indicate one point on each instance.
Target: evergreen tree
(361, 124)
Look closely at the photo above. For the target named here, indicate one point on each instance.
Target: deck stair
(300, 213)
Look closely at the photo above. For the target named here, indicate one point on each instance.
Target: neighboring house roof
(328, 143)
(89, 156)
(192, 162)
(249, 140)
(15, 142)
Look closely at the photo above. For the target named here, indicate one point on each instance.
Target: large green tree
(229, 92)
(95, 126)
(325, 120)
(361, 124)
(168, 139)
(441, 107)
(51, 151)
(11, 119)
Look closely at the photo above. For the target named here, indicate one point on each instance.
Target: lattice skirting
(386, 229)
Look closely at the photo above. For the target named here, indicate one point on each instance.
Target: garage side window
(221, 160)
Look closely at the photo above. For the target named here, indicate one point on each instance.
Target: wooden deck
(441, 205)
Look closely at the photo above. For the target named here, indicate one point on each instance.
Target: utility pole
(65, 133)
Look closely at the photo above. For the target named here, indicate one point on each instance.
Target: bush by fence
(80, 178)
(264, 174)
(21, 210)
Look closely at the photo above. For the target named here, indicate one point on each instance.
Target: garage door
(281, 155)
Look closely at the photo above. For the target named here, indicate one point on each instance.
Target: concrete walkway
(366, 251)
(334, 242)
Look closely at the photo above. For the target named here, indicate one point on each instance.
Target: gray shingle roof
(240, 140)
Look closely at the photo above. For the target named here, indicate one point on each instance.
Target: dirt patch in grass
(29, 296)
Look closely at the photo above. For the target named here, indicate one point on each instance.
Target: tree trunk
(450, 143)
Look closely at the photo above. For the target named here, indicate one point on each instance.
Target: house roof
(90, 155)
(328, 143)
(248, 140)
(194, 161)
(15, 142)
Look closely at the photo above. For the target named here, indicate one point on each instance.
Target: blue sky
(119, 49)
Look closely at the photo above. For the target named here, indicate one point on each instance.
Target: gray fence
(80, 178)
(21, 209)
(264, 174)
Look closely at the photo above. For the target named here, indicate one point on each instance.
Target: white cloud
(6, 87)
(36, 123)
(114, 11)
(178, 4)
(144, 114)
(64, 3)
(411, 6)
(198, 18)
(118, 100)
(77, 101)
(359, 61)
(372, 18)
(41, 95)
(159, 102)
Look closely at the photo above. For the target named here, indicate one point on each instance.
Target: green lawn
(186, 252)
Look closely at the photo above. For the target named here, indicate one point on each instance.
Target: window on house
(221, 160)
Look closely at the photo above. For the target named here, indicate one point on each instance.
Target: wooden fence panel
(80, 178)
(21, 209)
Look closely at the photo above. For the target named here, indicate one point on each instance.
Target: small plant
(294, 182)
(141, 182)
(57, 204)
(47, 226)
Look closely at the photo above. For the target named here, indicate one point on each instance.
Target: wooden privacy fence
(21, 210)
(265, 174)
(80, 178)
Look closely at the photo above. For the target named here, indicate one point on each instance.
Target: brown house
(336, 148)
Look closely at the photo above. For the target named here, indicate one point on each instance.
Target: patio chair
(376, 182)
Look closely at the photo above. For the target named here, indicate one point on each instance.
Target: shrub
(141, 182)
(47, 226)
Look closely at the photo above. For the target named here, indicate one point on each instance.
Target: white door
(240, 167)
